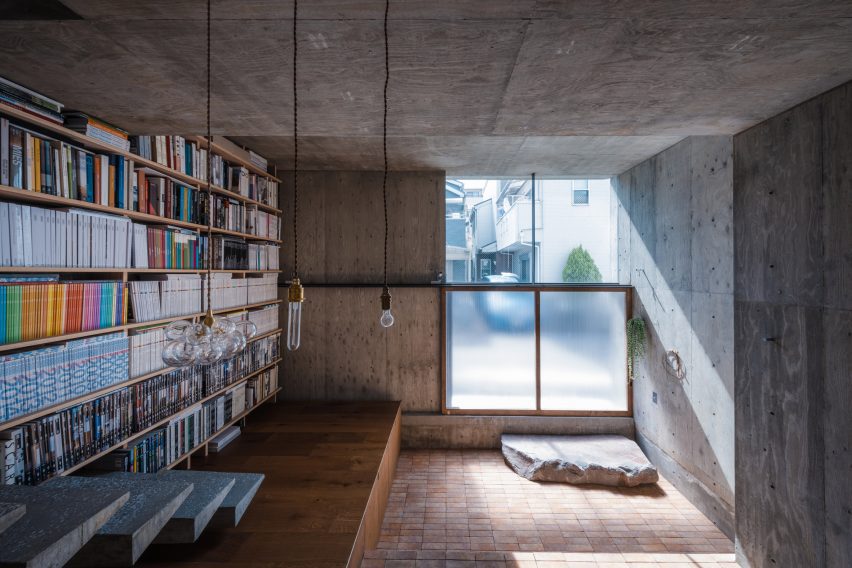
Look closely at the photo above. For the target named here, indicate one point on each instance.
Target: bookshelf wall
(127, 276)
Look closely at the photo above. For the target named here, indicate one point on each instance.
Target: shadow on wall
(676, 225)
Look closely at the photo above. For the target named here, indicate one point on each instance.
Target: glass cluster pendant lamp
(295, 297)
(213, 339)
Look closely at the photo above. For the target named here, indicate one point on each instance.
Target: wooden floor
(322, 462)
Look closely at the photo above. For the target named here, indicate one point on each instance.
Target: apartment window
(535, 350)
(529, 231)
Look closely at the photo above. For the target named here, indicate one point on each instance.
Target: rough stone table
(58, 522)
(598, 459)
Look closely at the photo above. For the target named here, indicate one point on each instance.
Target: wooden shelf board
(136, 435)
(100, 392)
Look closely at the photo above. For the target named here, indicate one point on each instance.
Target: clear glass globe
(179, 354)
(234, 343)
(248, 328)
(197, 334)
(387, 318)
(177, 329)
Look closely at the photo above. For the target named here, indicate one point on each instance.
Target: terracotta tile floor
(467, 508)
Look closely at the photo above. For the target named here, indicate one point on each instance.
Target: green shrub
(580, 267)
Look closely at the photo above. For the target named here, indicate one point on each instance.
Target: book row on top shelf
(235, 169)
(33, 162)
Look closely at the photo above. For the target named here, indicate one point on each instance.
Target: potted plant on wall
(636, 338)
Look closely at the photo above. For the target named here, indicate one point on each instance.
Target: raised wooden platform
(328, 467)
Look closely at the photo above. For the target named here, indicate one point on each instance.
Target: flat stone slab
(123, 539)
(209, 490)
(598, 459)
(234, 505)
(9, 513)
(58, 522)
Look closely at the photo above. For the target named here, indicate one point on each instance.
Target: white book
(16, 228)
(72, 239)
(5, 236)
(61, 236)
(27, 231)
(37, 229)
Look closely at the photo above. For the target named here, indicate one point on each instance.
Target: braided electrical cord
(209, 169)
(295, 147)
(385, 143)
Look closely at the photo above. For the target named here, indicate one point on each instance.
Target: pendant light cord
(209, 171)
(295, 147)
(385, 143)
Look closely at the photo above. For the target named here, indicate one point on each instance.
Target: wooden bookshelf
(60, 406)
(128, 326)
(17, 195)
(142, 433)
(94, 144)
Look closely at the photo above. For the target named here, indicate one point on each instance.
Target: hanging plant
(636, 342)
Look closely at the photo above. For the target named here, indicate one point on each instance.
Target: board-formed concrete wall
(793, 313)
(676, 249)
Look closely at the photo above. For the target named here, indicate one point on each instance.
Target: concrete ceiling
(483, 87)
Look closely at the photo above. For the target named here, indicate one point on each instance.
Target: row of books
(164, 296)
(236, 254)
(229, 292)
(33, 380)
(262, 223)
(49, 445)
(194, 427)
(168, 247)
(187, 157)
(27, 100)
(35, 236)
(159, 397)
(40, 163)
(266, 319)
(33, 307)
(146, 345)
(36, 162)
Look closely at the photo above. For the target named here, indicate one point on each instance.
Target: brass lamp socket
(296, 293)
(208, 319)
(386, 298)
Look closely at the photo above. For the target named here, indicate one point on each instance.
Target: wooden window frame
(537, 289)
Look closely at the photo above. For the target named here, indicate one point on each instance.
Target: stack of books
(19, 97)
(266, 319)
(32, 307)
(97, 129)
